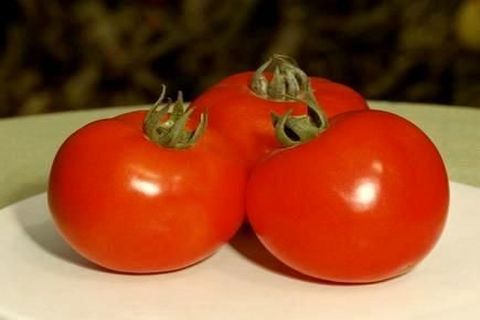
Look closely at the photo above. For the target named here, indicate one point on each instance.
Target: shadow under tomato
(247, 244)
(35, 220)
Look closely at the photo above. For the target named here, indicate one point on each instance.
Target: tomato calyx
(292, 130)
(166, 123)
(288, 80)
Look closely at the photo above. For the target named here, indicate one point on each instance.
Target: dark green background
(65, 55)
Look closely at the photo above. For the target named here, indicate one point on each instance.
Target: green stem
(288, 79)
(292, 130)
(166, 123)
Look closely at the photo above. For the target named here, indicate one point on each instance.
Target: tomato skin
(336, 98)
(363, 202)
(133, 206)
(245, 118)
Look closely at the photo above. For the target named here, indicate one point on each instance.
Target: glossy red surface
(131, 205)
(245, 119)
(365, 201)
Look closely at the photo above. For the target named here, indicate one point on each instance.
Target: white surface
(41, 278)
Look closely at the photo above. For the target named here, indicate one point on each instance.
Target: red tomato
(242, 115)
(132, 205)
(364, 201)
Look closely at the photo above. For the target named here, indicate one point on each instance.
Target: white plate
(42, 278)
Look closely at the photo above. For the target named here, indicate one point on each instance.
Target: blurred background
(65, 55)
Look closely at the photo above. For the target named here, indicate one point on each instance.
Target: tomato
(240, 106)
(133, 205)
(364, 201)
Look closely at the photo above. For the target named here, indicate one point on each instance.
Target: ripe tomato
(130, 204)
(240, 106)
(364, 201)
